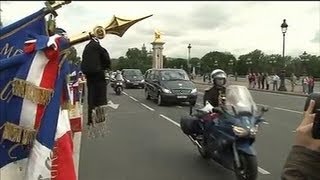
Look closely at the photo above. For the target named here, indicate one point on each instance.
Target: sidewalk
(243, 82)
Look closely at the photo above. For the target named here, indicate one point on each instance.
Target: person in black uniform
(212, 95)
(95, 60)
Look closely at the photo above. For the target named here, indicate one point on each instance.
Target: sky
(227, 26)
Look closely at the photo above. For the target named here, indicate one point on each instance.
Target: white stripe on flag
(63, 125)
(14, 171)
(29, 109)
(39, 163)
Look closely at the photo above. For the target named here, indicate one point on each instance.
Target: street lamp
(249, 62)
(284, 27)
(216, 63)
(272, 62)
(189, 49)
(230, 63)
(304, 60)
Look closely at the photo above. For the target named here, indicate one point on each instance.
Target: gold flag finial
(117, 26)
(52, 6)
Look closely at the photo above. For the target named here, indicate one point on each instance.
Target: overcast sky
(236, 27)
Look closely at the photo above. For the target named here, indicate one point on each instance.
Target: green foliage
(135, 59)
(73, 56)
(260, 62)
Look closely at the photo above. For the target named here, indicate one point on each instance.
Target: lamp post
(272, 62)
(189, 49)
(199, 67)
(248, 63)
(230, 63)
(304, 60)
(284, 27)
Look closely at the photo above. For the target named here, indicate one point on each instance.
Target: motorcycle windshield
(238, 98)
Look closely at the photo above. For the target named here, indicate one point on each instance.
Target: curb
(261, 90)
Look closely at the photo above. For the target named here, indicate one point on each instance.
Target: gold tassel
(100, 114)
(28, 136)
(24, 89)
(11, 132)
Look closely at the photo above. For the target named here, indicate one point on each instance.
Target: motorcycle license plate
(181, 97)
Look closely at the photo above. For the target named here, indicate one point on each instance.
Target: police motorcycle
(117, 83)
(226, 133)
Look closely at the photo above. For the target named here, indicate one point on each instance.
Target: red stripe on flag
(48, 79)
(62, 164)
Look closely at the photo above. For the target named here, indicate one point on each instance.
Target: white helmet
(219, 77)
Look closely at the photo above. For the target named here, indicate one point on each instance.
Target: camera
(316, 110)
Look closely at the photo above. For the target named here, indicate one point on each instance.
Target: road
(145, 141)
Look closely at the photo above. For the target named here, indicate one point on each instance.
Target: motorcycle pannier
(189, 125)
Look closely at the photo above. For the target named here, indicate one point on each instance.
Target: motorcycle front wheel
(248, 169)
(118, 90)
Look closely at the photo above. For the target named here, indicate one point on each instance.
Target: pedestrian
(95, 60)
(268, 81)
(249, 77)
(254, 80)
(305, 85)
(293, 81)
(311, 84)
(259, 79)
(263, 79)
(275, 80)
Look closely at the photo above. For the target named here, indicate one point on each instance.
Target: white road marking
(133, 98)
(125, 93)
(179, 107)
(170, 120)
(261, 104)
(289, 110)
(147, 107)
(265, 122)
(262, 171)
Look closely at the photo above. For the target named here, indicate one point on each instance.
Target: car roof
(165, 69)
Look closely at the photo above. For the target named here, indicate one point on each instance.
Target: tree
(177, 63)
(73, 56)
(215, 60)
(135, 59)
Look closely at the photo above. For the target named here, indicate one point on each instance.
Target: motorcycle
(226, 133)
(118, 87)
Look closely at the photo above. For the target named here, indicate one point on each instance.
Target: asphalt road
(145, 141)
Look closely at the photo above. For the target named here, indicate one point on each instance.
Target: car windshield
(174, 75)
(240, 98)
(133, 72)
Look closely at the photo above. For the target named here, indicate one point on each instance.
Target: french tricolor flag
(50, 156)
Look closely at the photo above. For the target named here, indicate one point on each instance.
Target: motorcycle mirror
(264, 109)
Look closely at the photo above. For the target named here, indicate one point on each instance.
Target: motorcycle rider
(213, 95)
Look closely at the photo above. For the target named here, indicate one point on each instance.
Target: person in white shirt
(275, 80)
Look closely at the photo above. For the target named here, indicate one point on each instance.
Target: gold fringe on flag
(28, 136)
(11, 132)
(25, 89)
(18, 134)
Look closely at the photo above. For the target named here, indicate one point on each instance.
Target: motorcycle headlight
(119, 83)
(166, 90)
(128, 80)
(239, 131)
(194, 91)
(142, 80)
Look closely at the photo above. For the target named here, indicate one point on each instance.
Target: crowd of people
(272, 82)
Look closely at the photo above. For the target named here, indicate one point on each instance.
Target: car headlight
(119, 83)
(194, 91)
(142, 80)
(166, 90)
(239, 131)
(128, 80)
